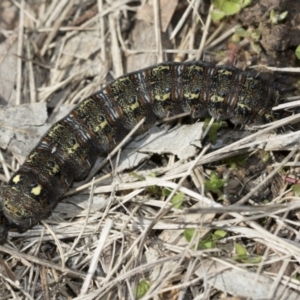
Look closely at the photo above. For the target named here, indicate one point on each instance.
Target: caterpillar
(69, 149)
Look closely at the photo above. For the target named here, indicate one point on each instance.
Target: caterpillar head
(5, 221)
(15, 213)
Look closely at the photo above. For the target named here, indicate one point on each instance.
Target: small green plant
(215, 127)
(209, 241)
(296, 189)
(252, 34)
(235, 161)
(214, 183)
(275, 17)
(298, 52)
(188, 234)
(266, 157)
(243, 257)
(154, 189)
(177, 199)
(223, 8)
(142, 288)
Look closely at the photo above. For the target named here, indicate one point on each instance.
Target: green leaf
(217, 3)
(266, 157)
(209, 241)
(212, 133)
(214, 184)
(246, 259)
(296, 189)
(255, 47)
(255, 35)
(227, 8)
(188, 234)
(154, 189)
(230, 8)
(177, 200)
(242, 3)
(240, 258)
(206, 245)
(217, 15)
(219, 234)
(298, 52)
(240, 250)
(242, 32)
(233, 162)
(275, 17)
(235, 38)
(283, 15)
(245, 3)
(142, 288)
(254, 260)
(165, 192)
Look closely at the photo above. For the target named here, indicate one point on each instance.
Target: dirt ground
(202, 210)
(280, 40)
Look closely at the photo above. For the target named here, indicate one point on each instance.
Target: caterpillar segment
(67, 152)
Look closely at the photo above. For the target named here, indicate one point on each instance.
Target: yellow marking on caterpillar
(84, 106)
(100, 126)
(243, 106)
(134, 106)
(160, 68)
(55, 128)
(36, 190)
(31, 157)
(86, 101)
(55, 169)
(121, 79)
(225, 72)
(215, 98)
(73, 148)
(17, 178)
(162, 97)
(198, 68)
(103, 124)
(191, 95)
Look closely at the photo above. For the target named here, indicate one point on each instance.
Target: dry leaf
(8, 71)
(242, 282)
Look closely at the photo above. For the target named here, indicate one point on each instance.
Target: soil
(278, 40)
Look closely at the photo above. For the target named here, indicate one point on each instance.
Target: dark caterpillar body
(70, 148)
